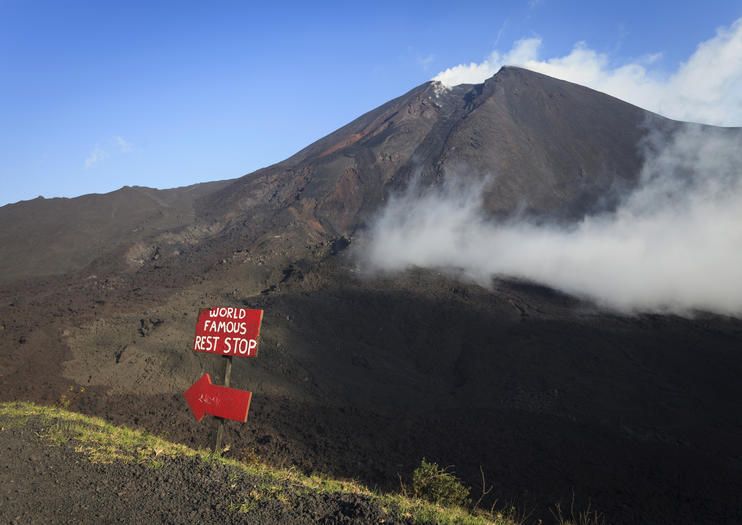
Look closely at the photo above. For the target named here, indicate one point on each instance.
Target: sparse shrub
(438, 485)
(586, 517)
(65, 399)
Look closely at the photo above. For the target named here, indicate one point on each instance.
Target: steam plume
(672, 245)
(704, 88)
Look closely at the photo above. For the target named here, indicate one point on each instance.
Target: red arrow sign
(220, 401)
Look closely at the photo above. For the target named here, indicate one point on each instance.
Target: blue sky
(98, 95)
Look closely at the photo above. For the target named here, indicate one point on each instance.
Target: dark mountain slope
(56, 236)
(553, 147)
(361, 377)
(556, 148)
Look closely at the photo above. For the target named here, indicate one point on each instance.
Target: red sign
(228, 331)
(220, 401)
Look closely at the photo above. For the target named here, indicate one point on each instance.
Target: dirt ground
(42, 483)
(637, 417)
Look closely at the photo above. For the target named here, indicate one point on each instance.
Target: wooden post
(220, 421)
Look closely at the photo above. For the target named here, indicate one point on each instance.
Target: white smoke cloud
(673, 245)
(705, 88)
(95, 156)
(124, 145)
(101, 153)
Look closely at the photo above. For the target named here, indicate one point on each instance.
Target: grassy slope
(100, 441)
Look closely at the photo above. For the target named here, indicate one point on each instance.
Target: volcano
(554, 399)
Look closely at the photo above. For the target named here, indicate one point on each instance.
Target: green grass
(103, 442)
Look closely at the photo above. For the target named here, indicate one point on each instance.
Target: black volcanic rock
(554, 399)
